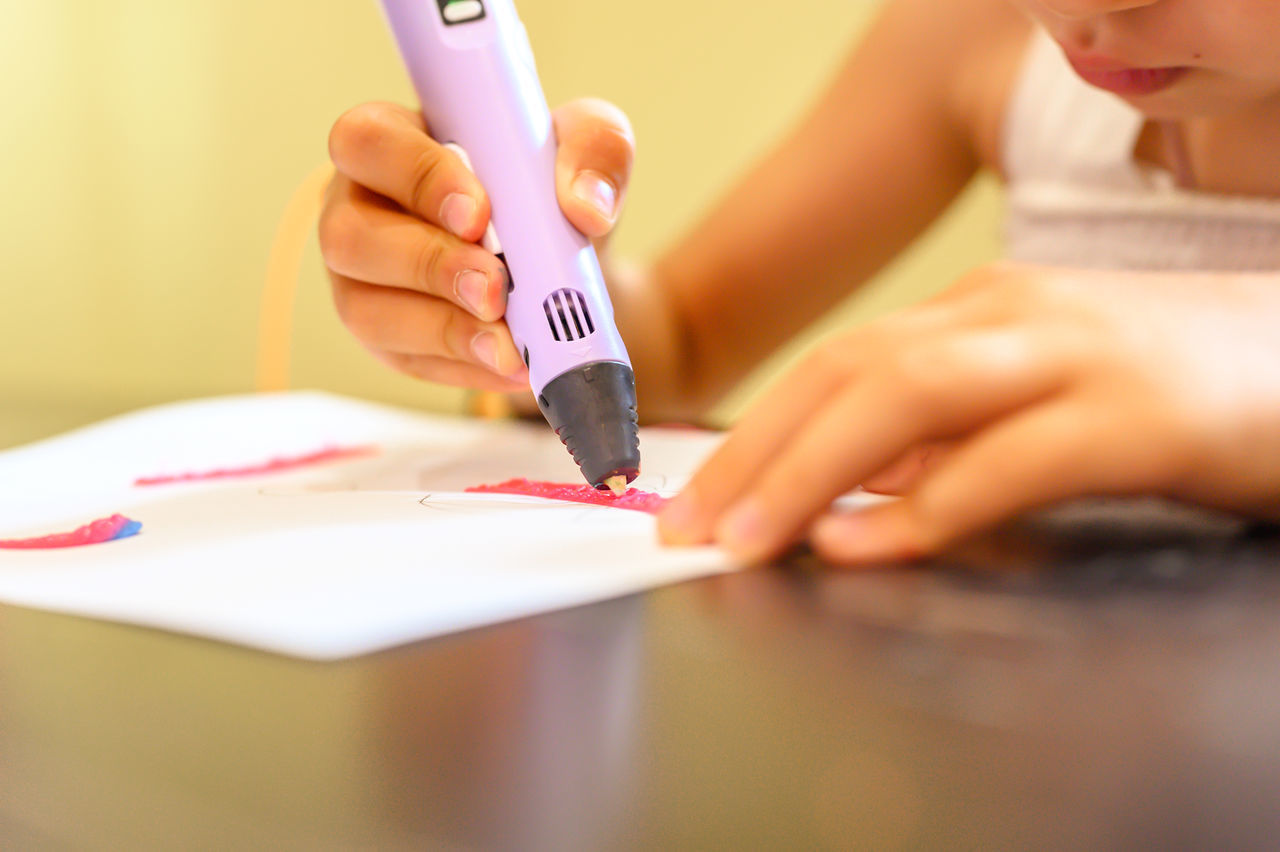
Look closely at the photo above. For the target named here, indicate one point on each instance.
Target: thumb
(593, 163)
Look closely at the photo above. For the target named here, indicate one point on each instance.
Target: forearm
(878, 158)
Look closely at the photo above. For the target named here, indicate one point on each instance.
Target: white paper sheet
(337, 559)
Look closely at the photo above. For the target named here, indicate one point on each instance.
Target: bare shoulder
(961, 56)
(987, 67)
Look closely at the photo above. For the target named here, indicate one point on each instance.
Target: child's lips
(1122, 79)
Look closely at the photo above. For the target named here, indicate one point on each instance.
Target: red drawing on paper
(275, 465)
(634, 498)
(96, 532)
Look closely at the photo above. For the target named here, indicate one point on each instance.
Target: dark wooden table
(1106, 677)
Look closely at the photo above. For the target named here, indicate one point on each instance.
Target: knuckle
(428, 267)
(919, 376)
(599, 127)
(614, 150)
(612, 123)
(610, 143)
(453, 336)
(341, 294)
(426, 169)
(357, 134)
(353, 306)
(340, 238)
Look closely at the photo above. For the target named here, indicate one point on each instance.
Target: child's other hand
(1023, 387)
(399, 230)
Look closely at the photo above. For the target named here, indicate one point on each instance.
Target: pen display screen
(460, 11)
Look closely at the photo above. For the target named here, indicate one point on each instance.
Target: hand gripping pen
(473, 69)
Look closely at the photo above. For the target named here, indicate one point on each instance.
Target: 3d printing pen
(473, 69)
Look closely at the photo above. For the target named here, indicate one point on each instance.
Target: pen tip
(616, 484)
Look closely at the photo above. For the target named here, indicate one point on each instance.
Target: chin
(1168, 111)
(1193, 102)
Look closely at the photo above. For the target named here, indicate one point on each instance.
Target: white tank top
(1076, 196)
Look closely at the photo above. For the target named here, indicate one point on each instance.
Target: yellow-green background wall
(148, 147)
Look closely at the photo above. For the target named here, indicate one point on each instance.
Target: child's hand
(1026, 386)
(399, 233)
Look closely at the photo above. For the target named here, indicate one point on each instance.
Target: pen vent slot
(567, 315)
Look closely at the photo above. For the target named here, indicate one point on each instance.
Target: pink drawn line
(276, 465)
(634, 499)
(96, 532)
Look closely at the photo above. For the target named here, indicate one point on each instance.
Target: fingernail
(458, 212)
(485, 347)
(504, 285)
(470, 286)
(743, 529)
(596, 190)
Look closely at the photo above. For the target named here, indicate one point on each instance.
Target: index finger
(386, 148)
(969, 381)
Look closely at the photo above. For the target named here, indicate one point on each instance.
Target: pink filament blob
(634, 499)
(276, 465)
(96, 532)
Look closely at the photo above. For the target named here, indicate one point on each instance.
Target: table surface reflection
(1104, 676)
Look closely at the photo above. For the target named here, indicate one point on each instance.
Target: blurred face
(1171, 58)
